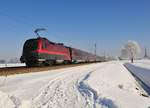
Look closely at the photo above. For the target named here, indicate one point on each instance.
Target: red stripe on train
(52, 52)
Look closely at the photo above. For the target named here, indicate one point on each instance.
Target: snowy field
(12, 65)
(143, 63)
(99, 85)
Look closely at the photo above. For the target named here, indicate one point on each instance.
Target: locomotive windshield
(30, 45)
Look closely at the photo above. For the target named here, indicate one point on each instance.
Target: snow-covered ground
(99, 85)
(12, 65)
(143, 63)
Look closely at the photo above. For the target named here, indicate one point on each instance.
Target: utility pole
(95, 50)
(104, 55)
(145, 56)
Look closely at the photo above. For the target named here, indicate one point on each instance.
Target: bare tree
(131, 50)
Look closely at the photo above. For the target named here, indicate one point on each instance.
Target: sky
(76, 23)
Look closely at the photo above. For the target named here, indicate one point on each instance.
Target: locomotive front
(29, 56)
(40, 52)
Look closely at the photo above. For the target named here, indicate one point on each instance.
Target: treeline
(12, 60)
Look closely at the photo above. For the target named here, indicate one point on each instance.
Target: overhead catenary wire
(16, 20)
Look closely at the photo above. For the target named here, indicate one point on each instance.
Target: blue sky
(76, 23)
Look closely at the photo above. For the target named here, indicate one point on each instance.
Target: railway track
(23, 69)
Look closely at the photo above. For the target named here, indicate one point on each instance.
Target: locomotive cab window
(31, 45)
(44, 45)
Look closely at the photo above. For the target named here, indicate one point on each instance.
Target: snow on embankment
(101, 85)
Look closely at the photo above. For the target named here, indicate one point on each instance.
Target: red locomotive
(41, 51)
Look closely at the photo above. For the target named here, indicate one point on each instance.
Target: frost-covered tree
(124, 53)
(131, 50)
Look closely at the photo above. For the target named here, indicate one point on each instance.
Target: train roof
(32, 39)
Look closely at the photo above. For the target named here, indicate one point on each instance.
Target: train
(42, 52)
